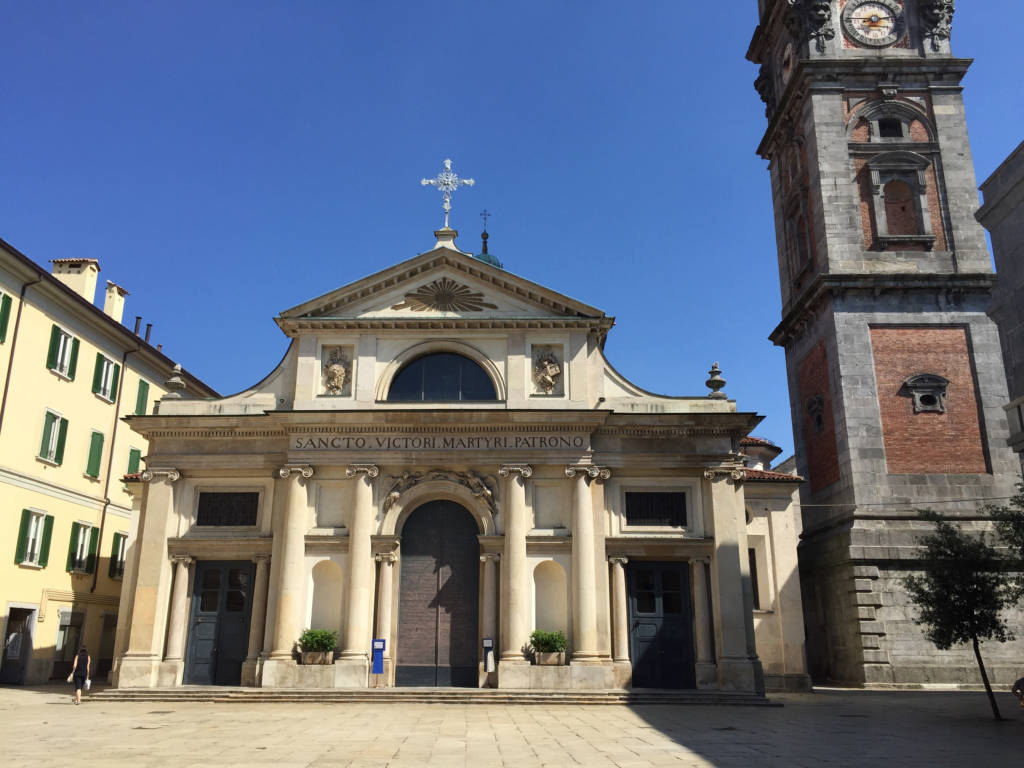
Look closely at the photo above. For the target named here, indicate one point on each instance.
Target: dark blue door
(661, 627)
(218, 638)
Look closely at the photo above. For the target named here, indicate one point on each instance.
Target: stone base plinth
(136, 671)
(572, 677)
(170, 673)
(250, 672)
(740, 675)
(351, 673)
(707, 675)
(622, 673)
(287, 673)
(787, 683)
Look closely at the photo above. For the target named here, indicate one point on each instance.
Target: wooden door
(218, 635)
(661, 625)
(437, 613)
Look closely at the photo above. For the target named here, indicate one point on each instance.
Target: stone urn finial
(716, 382)
(175, 385)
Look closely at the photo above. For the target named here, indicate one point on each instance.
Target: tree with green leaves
(961, 592)
(1009, 524)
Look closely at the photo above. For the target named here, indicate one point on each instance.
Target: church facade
(444, 460)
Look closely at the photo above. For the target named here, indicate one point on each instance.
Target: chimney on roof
(149, 330)
(79, 275)
(113, 303)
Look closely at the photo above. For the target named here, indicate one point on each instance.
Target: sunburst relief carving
(444, 295)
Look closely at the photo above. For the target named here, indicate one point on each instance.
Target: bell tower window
(900, 201)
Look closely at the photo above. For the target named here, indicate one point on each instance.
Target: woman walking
(80, 673)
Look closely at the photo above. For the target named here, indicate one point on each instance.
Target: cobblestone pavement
(40, 727)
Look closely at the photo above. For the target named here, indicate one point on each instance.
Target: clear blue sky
(227, 160)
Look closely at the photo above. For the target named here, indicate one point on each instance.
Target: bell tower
(894, 369)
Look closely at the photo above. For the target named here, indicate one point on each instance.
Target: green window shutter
(5, 316)
(48, 421)
(134, 459)
(73, 546)
(62, 436)
(114, 570)
(90, 561)
(97, 374)
(114, 380)
(51, 355)
(142, 399)
(44, 547)
(22, 545)
(92, 469)
(73, 363)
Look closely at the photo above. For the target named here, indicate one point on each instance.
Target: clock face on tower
(875, 23)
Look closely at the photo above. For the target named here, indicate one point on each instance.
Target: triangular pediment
(441, 284)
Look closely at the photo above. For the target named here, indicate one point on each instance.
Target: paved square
(40, 727)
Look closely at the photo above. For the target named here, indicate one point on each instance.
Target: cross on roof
(447, 182)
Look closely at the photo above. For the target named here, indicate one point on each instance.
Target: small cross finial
(447, 182)
(485, 215)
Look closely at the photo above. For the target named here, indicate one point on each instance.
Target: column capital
(592, 471)
(261, 558)
(620, 561)
(490, 556)
(385, 557)
(507, 470)
(185, 560)
(736, 474)
(703, 559)
(371, 470)
(286, 471)
(169, 474)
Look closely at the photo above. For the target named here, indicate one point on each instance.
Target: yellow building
(71, 372)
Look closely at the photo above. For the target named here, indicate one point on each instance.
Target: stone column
(259, 607)
(385, 591)
(490, 591)
(516, 573)
(620, 611)
(703, 624)
(738, 666)
(584, 567)
(359, 585)
(291, 582)
(140, 664)
(176, 629)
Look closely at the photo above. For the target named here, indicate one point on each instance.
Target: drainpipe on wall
(110, 463)
(14, 343)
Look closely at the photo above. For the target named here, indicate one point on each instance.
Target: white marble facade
(544, 468)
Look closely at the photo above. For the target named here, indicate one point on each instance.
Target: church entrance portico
(660, 624)
(439, 597)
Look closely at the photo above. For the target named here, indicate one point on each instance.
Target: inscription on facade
(437, 442)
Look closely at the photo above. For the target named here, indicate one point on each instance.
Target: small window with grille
(662, 509)
(227, 508)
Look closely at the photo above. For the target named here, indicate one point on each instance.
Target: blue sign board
(378, 657)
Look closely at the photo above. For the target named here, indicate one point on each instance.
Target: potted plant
(548, 647)
(318, 646)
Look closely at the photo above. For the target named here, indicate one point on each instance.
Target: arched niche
(325, 610)
(440, 345)
(550, 597)
(431, 490)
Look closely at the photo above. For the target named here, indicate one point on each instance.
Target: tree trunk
(984, 679)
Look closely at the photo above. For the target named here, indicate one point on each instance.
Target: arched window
(441, 377)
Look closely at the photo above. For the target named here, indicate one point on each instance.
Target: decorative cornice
(168, 473)
(481, 487)
(304, 469)
(507, 470)
(592, 471)
(737, 474)
(371, 470)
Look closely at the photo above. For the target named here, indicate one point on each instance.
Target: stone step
(425, 696)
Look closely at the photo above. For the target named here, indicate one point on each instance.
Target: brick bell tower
(895, 373)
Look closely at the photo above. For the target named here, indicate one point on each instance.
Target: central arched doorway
(437, 608)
